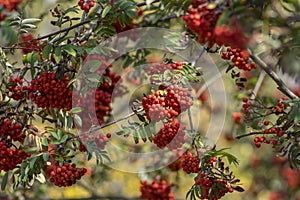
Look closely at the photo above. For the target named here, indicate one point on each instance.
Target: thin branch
(247, 134)
(268, 69)
(96, 128)
(65, 29)
(259, 82)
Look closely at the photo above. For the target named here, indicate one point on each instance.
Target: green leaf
(77, 120)
(131, 14)
(59, 134)
(68, 48)
(31, 26)
(44, 143)
(143, 134)
(105, 11)
(64, 139)
(57, 54)
(14, 23)
(23, 31)
(75, 110)
(30, 20)
(45, 156)
(32, 162)
(136, 136)
(53, 133)
(4, 181)
(46, 51)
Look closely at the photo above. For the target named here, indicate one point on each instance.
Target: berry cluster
(101, 98)
(202, 21)
(178, 99)
(65, 175)
(157, 190)
(154, 106)
(262, 139)
(171, 135)
(47, 91)
(246, 105)
(99, 141)
(190, 164)
(280, 105)
(16, 88)
(11, 131)
(10, 157)
(177, 164)
(86, 6)
(10, 5)
(233, 37)
(212, 188)
(175, 101)
(29, 44)
(240, 58)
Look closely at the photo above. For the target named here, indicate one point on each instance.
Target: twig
(268, 69)
(260, 80)
(247, 134)
(96, 128)
(193, 63)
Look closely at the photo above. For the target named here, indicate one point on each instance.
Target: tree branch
(268, 69)
(96, 128)
(258, 84)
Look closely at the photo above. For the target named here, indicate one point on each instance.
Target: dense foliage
(61, 103)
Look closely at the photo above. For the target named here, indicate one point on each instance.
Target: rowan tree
(125, 79)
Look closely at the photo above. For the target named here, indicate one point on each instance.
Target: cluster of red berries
(202, 21)
(171, 135)
(86, 6)
(262, 139)
(157, 190)
(17, 89)
(10, 5)
(280, 105)
(11, 131)
(178, 99)
(233, 37)
(190, 163)
(273, 130)
(240, 58)
(160, 68)
(246, 105)
(29, 44)
(176, 165)
(175, 101)
(47, 91)
(98, 141)
(101, 98)
(10, 157)
(212, 188)
(154, 106)
(66, 175)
